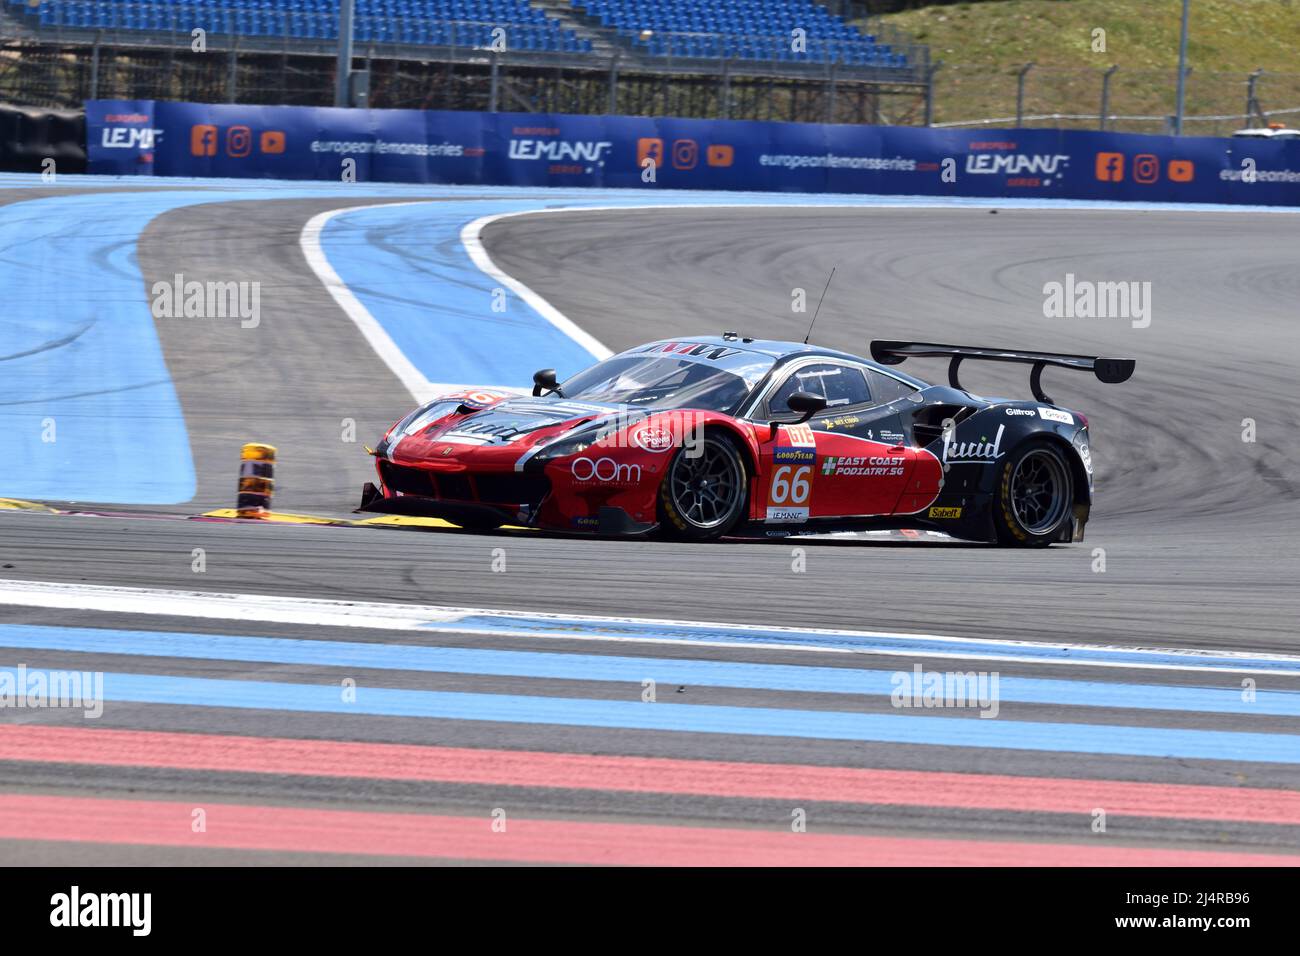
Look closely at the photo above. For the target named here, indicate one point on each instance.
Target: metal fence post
(231, 80)
(1181, 93)
(613, 84)
(94, 66)
(929, 91)
(726, 89)
(343, 71)
(1020, 92)
(830, 95)
(1105, 97)
(1252, 104)
(496, 82)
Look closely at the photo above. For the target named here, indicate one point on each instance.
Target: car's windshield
(671, 381)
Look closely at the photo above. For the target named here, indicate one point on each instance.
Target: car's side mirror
(544, 381)
(806, 404)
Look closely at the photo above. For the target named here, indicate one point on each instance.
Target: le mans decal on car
(788, 493)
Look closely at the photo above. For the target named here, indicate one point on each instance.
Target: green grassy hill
(983, 44)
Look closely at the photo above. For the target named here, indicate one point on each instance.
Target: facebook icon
(203, 140)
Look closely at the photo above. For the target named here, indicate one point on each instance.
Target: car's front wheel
(1035, 496)
(704, 490)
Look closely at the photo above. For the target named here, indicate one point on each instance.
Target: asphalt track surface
(1198, 530)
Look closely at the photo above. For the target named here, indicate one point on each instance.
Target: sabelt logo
(559, 150)
(944, 513)
(607, 471)
(1015, 164)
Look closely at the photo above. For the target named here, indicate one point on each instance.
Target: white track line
(421, 388)
(470, 238)
(412, 378)
(377, 336)
(314, 612)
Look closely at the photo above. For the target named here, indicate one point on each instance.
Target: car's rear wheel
(704, 490)
(1035, 496)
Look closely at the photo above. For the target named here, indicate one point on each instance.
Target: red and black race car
(736, 436)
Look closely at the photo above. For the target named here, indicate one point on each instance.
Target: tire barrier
(30, 136)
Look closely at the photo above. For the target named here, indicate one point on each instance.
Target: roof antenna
(819, 306)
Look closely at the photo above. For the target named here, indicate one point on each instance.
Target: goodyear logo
(794, 456)
(944, 513)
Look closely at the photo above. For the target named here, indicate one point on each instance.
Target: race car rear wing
(1112, 371)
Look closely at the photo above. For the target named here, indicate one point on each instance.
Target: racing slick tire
(703, 495)
(1035, 496)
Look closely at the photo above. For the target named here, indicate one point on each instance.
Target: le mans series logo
(564, 156)
(1022, 169)
(131, 131)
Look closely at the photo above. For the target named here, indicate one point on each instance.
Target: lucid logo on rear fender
(982, 452)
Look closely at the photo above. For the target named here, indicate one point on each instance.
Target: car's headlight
(572, 444)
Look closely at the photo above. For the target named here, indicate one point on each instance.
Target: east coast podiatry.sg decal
(863, 466)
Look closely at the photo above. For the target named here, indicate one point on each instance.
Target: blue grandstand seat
(757, 30)
(437, 22)
(740, 29)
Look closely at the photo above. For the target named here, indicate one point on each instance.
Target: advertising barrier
(529, 149)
